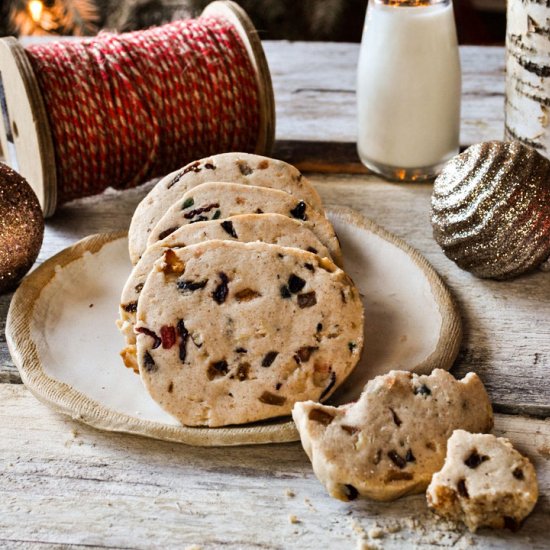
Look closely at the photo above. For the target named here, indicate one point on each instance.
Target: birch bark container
(528, 73)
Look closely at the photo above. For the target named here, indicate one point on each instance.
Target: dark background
(478, 21)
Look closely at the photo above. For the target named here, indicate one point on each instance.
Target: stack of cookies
(237, 306)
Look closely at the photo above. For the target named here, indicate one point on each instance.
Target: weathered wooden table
(63, 484)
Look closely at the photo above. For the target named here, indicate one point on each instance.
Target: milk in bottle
(408, 88)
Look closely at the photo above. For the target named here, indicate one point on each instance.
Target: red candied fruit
(168, 336)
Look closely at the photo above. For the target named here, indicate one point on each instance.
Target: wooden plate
(62, 336)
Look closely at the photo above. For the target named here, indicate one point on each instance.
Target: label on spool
(11, 154)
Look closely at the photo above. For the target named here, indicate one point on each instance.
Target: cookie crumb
(376, 533)
(290, 493)
(364, 544)
(293, 519)
(358, 528)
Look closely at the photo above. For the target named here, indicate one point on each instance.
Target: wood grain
(506, 324)
(65, 483)
(315, 92)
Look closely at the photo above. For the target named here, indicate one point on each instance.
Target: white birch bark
(528, 73)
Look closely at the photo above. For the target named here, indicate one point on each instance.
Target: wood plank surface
(64, 483)
(315, 96)
(110, 211)
(506, 323)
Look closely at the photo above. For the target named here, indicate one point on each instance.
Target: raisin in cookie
(241, 168)
(230, 332)
(484, 482)
(390, 442)
(268, 228)
(212, 201)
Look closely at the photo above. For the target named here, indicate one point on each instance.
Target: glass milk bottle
(408, 88)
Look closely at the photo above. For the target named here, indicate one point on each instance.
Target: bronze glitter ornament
(21, 227)
(491, 209)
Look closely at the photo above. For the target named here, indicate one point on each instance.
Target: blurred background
(478, 21)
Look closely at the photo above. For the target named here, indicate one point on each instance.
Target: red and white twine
(126, 108)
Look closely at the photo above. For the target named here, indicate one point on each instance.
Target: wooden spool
(25, 134)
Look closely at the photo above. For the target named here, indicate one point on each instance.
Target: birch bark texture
(528, 73)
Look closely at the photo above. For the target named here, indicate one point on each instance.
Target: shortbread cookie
(390, 442)
(242, 168)
(232, 332)
(268, 228)
(212, 201)
(484, 482)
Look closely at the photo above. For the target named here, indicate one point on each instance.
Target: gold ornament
(21, 227)
(491, 209)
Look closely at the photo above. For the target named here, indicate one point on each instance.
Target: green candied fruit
(188, 203)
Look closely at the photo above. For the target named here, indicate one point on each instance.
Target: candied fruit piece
(299, 211)
(269, 357)
(308, 299)
(221, 291)
(227, 226)
(320, 416)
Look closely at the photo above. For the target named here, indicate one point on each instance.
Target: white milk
(408, 89)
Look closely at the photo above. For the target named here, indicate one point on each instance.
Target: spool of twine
(123, 109)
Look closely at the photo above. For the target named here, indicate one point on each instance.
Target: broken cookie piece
(484, 482)
(392, 440)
